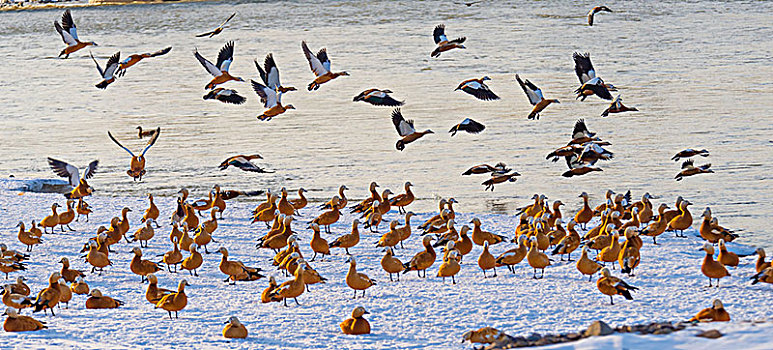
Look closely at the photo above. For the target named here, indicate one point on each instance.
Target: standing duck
(272, 99)
(108, 74)
(329, 217)
(67, 273)
(761, 264)
(217, 30)
(48, 298)
(481, 237)
(711, 268)
(193, 261)
(377, 97)
(535, 97)
(725, 256)
(174, 301)
(348, 240)
(682, 221)
(586, 266)
(487, 261)
(137, 165)
(402, 200)
(292, 288)
(236, 270)
(26, 238)
(318, 244)
(391, 265)
(52, 220)
(594, 11)
(513, 256)
(342, 200)
(301, 201)
(67, 217)
(537, 260)
(142, 267)
(406, 130)
(152, 212)
(357, 281)
(611, 285)
(320, 66)
(477, 88)
(82, 208)
(658, 227)
(422, 260)
(443, 44)
(70, 35)
(153, 294)
(220, 70)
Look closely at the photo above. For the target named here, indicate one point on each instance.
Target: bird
(594, 11)
(500, 169)
(580, 171)
(174, 301)
(689, 169)
(423, 259)
(69, 274)
(688, 153)
(711, 268)
(217, 30)
(320, 66)
(48, 298)
(109, 73)
(270, 75)
(378, 97)
(499, 178)
(271, 100)
(617, 107)
(469, 126)
(442, 42)
(611, 285)
(357, 280)
(356, 324)
(477, 88)
(137, 165)
(234, 329)
(98, 301)
(18, 323)
(220, 70)
(70, 35)
(765, 275)
(225, 95)
(66, 170)
(487, 261)
(136, 58)
(406, 130)
(236, 270)
(243, 162)
(535, 97)
(594, 86)
(715, 313)
(583, 67)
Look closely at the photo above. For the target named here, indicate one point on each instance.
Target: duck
(689, 169)
(217, 30)
(142, 267)
(710, 232)
(270, 75)
(513, 256)
(301, 201)
(617, 107)
(535, 97)
(442, 42)
(761, 263)
(438, 218)
(19, 287)
(715, 313)
(265, 297)
(378, 97)
(137, 164)
(48, 298)
(765, 275)
(98, 301)
(478, 89)
(611, 252)
(318, 244)
(689, 153)
(594, 86)
(584, 215)
(329, 217)
(108, 74)
(136, 58)
(373, 219)
(568, 243)
(342, 200)
(671, 214)
(66, 294)
(272, 100)
(586, 266)
(349, 240)
(52, 220)
(219, 71)
(481, 237)
(97, 259)
(468, 125)
(391, 238)
(279, 240)
(422, 260)
(144, 234)
(611, 285)
(537, 259)
(123, 224)
(498, 179)
(225, 95)
(725, 256)
(70, 35)
(629, 256)
(447, 234)
(657, 228)
(583, 67)
(594, 11)
(290, 289)
(243, 162)
(203, 203)
(366, 203)
(405, 231)
(485, 335)
(356, 280)
(403, 200)
(174, 301)
(153, 294)
(391, 264)
(35, 231)
(320, 66)
(67, 273)
(582, 170)
(487, 261)
(18, 323)
(268, 214)
(682, 221)
(711, 268)
(79, 287)
(234, 329)
(152, 212)
(71, 172)
(500, 168)
(16, 301)
(284, 205)
(406, 130)
(8, 266)
(236, 270)
(203, 234)
(193, 261)
(185, 239)
(26, 238)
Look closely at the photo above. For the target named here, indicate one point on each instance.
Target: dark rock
(598, 328)
(711, 334)
(542, 341)
(533, 337)
(663, 331)
(573, 336)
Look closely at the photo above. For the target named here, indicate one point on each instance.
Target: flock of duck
(541, 231)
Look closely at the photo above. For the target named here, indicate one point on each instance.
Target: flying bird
(594, 11)
(406, 130)
(583, 67)
(71, 172)
(270, 74)
(136, 58)
(689, 169)
(594, 86)
(498, 179)
(469, 126)
(243, 162)
(535, 97)
(137, 165)
(225, 96)
(144, 133)
(108, 74)
(443, 44)
(580, 171)
(217, 30)
(500, 169)
(477, 88)
(220, 70)
(690, 153)
(617, 107)
(271, 100)
(320, 65)
(581, 131)
(377, 97)
(70, 35)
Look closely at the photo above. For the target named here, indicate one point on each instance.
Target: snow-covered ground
(411, 314)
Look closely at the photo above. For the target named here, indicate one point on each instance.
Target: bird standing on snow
(611, 285)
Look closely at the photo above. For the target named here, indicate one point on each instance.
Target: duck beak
(365, 312)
